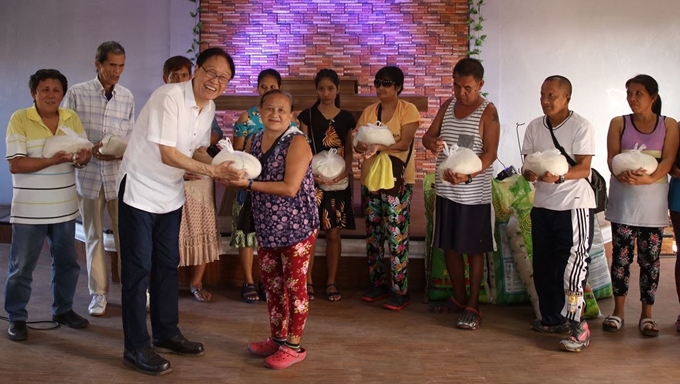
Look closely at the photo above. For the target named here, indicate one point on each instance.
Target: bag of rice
(69, 142)
(242, 160)
(328, 164)
(113, 145)
(460, 160)
(633, 160)
(547, 161)
(374, 134)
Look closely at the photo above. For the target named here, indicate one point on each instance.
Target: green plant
(196, 31)
(475, 22)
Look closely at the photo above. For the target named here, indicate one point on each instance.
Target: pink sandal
(264, 348)
(285, 357)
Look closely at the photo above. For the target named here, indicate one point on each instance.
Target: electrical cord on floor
(53, 324)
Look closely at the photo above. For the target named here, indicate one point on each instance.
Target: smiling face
(466, 89)
(385, 89)
(210, 79)
(327, 91)
(639, 98)
(554, 98)
(267, 84)
(48, 96)
(109, 70)
(276, 112)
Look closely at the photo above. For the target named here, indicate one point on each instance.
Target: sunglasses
(383, 83)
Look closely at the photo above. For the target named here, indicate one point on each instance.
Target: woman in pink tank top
(638, 208)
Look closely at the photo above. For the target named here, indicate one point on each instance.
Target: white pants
(91, 212)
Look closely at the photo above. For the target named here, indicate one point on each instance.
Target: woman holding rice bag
(387, 211)
(330, 127)
(638, 205)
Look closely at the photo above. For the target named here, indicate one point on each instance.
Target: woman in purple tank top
(638, 208)
(286, 222)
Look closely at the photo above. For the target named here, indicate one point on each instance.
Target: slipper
(470, 319)
(249, 294)
(310, 292)
(612, 323)
(677, 324)
(648, 327)
(449, 306)
(333, 296)
(201, 295)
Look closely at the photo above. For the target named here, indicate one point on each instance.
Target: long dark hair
(333, 76)
(652, 88)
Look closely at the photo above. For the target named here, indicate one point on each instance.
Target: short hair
(216, 51)
(469, 67)
(176, 63)
(274, 92)
(392, 73)
(564, 82)
(269, 72)
(44, 74)
(652, 88)
(107, 47)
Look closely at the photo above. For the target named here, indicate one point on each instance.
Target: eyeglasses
(383, 83)
(212, 75)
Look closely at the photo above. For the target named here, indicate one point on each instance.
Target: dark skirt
(335, 208)
(465, 229)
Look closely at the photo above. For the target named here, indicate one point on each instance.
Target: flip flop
(249, 294)
(448, 306)
(470, 319)
(333, 296)
(648, 327)
(612, 323)
(201, 295)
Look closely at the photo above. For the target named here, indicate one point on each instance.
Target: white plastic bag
(328, 164)
(113, 145)
(633, 160)
(547, 161)
(242, 160)
(460, 160)
(374, 134)
(70, 142)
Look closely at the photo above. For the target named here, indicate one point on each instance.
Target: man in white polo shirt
(170, 137)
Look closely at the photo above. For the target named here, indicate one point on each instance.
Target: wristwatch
(560, 180)
(469, 180)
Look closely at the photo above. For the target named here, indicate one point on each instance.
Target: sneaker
(97, 306)
(285, 357)
(562, 329)
(375, 294)
(264, 348)
(397, 302)
(579, 339)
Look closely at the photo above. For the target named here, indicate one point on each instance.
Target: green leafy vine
(476, 24)
(196, 31)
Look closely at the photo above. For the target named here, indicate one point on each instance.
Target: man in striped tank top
(463, 218)
(562, 216)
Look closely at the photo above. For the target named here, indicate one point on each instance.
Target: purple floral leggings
(649, 248)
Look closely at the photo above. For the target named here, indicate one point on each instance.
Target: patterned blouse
(282, 221)
(251, 126)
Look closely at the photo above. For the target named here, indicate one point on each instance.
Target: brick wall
(425, 38)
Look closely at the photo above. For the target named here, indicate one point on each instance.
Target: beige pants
(91, 212)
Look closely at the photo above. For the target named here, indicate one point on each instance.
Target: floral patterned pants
(388, 218)
(649, 248)
(284, 274)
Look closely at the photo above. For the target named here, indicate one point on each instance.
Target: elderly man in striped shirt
(105, 107)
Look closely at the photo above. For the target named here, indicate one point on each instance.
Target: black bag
(245, 222)
(597, 182)
(398, 166)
